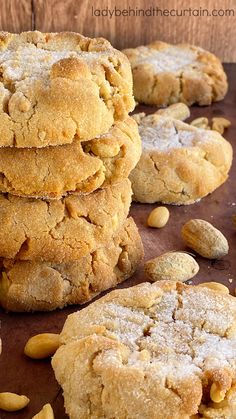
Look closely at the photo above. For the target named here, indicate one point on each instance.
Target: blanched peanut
(45, 413)
(177, 111)
(216, 394)
(216, 286)
(158, 217)
(104, 148)
(220, 124)
(12, 402)
(42, 346)
(201, 122)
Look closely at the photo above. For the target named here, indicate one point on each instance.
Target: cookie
(31, 286)
(55, 86)
(164, 74)
(155, 351)
(80, 167)
(180, 163)
(61, 230)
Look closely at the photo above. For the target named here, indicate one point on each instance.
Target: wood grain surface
(194, 22)
(35, 378)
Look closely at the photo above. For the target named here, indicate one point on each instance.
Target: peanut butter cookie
(159, 351)
(80, 167)
(61, 230)
(164, 74)
(55, 86)
(180, 163)
(30, 286)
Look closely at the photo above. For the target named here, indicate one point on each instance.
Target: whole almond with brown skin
(176, 266)
(205, 239)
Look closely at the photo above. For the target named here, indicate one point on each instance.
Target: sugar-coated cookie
(180, 163)
(80, 167)
(43, 286)
(159, 351)
(61, 230)
(58, 85)
(164, 74)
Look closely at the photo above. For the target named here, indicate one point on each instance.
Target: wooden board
(127, 23)
(35, 378)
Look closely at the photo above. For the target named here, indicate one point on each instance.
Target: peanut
(201, 122)
(104, 148)
(216, 394)
(42, 346)
(205, 239)
(45, 413)
(12, 402)
(176, 266)
(177, 111)
(216, 286)
(158, 217)
(220, 124)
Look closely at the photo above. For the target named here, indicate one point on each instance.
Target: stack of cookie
(67, 149)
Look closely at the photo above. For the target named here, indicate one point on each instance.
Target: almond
(176, 266)
(204, 239)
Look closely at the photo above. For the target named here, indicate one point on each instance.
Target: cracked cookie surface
(55, 86)
(31, 286)
(150, 351)
(80, 167)
(164, 74)
(61, 230)
(180, 164)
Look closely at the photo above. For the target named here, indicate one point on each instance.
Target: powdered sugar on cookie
(147, 348)
(163, 134)
(171, 59)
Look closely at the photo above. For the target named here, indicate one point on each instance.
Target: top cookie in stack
(67, 147)
(58, 86)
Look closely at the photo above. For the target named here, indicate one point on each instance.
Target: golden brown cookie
(164, 74)
(180, 163)
(80, 167)
(61, 230)
(159, 351)
(56, 86)
(31, 286)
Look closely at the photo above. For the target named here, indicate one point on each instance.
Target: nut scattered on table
(220, 124)
(204, 239)
(177, 111)
(176, 266)
(158, 217)
(45, 413)
(42, 346)
(216, 286)
(11, 402)
(201, 122)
